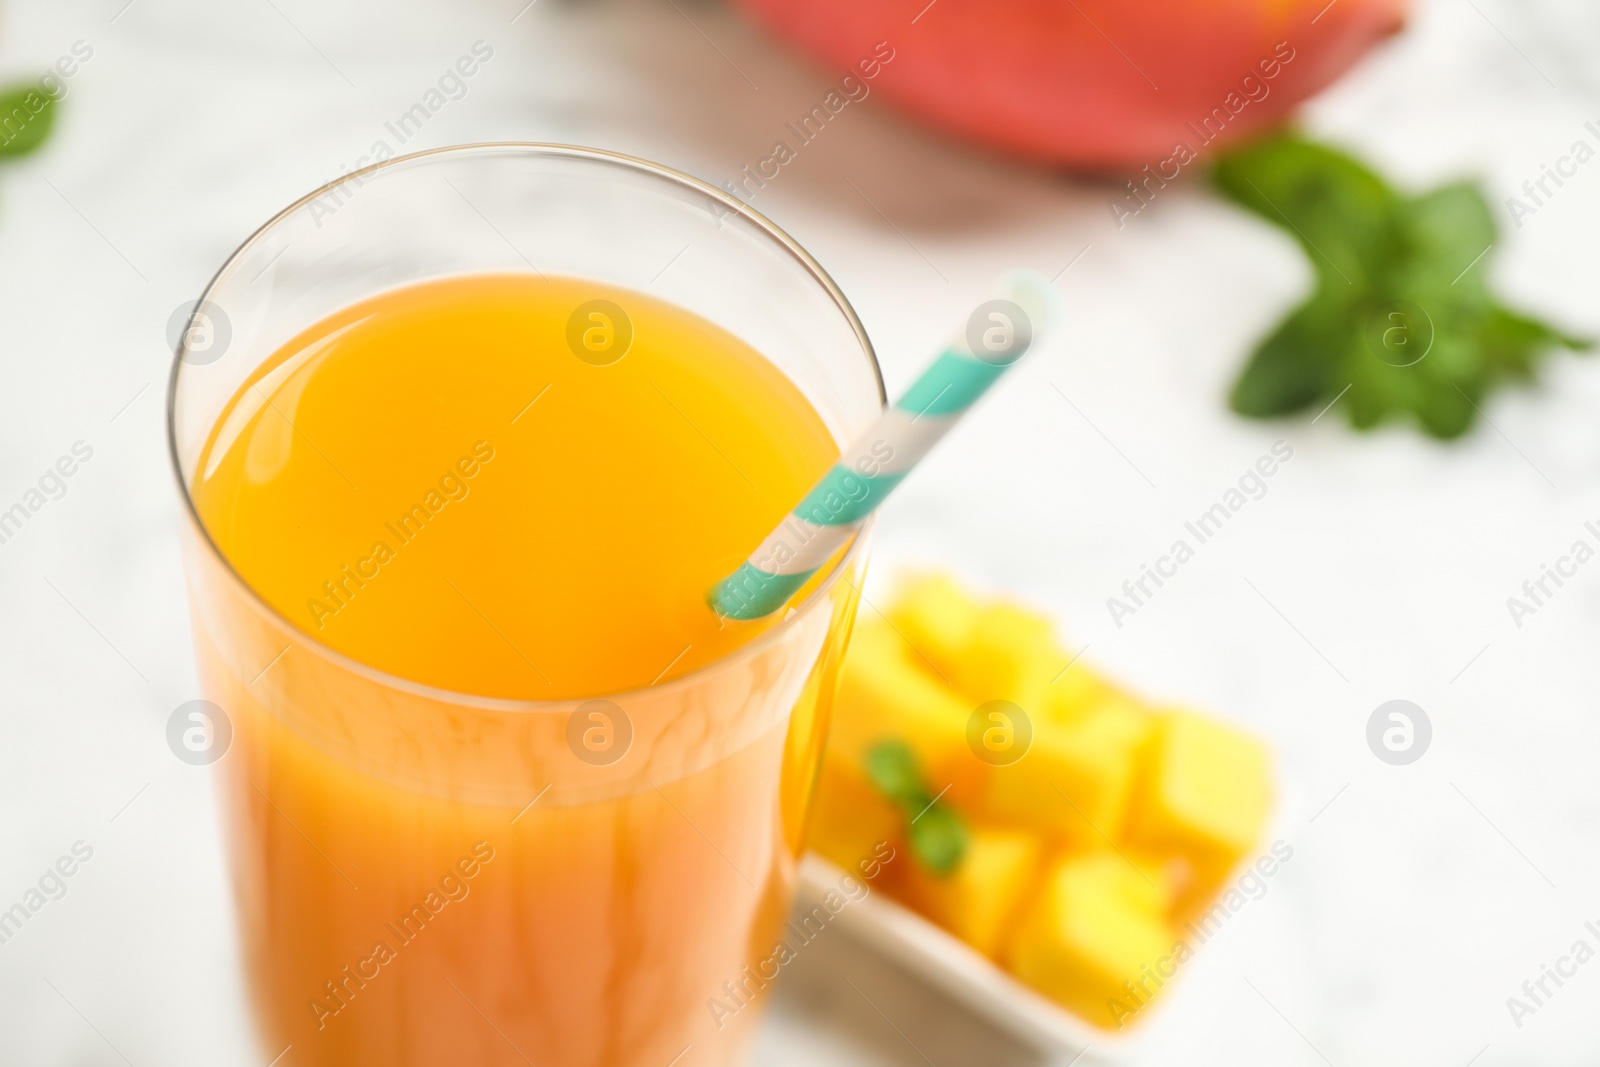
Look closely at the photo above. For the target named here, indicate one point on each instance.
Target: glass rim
(734, 206)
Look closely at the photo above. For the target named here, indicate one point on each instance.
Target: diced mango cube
(885, 696)
(1075, 690)
(936, 615)
(979, 900)
(1012, 655)
(849, 817)
(1206, 791)
(1138, 880)
(1074, 782)
(1173, 875)
(1093, 939)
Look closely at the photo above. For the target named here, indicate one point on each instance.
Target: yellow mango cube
(1095, 940)
(885, 696)
(1205, 793)
(1076, 778)
(1137, 879)
(1173, 875)
(1075, 691)
(849, 818)
(979, 900)
(1012, 655)
(936, 616)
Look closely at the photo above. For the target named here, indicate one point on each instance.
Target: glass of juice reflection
(465, 439)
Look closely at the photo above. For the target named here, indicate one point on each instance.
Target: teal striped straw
(1023, 309)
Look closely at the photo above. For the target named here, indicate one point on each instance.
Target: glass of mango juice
(465, 439)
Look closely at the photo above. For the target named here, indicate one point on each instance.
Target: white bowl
(928, 951)
(972, 979)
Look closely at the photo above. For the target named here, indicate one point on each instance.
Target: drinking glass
(431, 877)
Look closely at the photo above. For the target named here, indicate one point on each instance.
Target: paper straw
(1023, 309)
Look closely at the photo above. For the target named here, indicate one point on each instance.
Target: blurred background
(1378, 566)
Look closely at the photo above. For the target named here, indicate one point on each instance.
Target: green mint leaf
(938, 839)
(1401, 323)
(1296, 364)
(1446, 234)
(1439, 399)
(26, 116)
(892, 769)
(1513, 341)
(936, 833)
(1332, 204)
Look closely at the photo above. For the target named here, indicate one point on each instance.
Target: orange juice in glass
(471, 435)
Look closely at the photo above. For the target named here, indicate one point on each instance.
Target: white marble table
(1377, 567)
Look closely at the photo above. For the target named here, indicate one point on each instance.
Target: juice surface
(434, 483)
